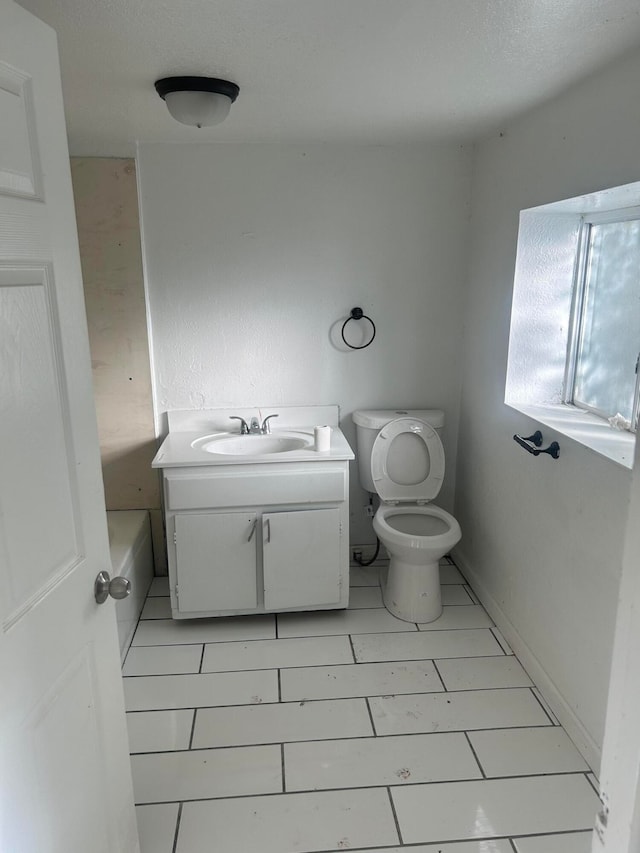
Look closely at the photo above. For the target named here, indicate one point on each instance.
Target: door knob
(104, 587)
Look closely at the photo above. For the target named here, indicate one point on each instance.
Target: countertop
(177, 450)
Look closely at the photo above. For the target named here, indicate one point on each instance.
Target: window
(602, 364)
(575, 321)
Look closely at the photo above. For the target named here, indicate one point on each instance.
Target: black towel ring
(358, 314)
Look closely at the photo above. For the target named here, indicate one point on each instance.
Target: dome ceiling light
(197, 101)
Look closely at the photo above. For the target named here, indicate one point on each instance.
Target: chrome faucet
(254, 427)
(266, 426)
(244, 426)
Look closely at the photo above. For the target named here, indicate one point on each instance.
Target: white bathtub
(132, 557)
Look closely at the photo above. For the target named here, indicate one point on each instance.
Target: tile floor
(345, 730)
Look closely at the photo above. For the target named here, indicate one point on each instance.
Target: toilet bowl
(401, 457)
(416, 537)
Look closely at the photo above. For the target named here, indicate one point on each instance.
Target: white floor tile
(274, 654)
(158, 692)
(205, 773)
(494, 807)
(157, 827)
(364, 597)
(463, 711)
(323, 623)
(326, 820)
(573, 842)
(450, 574)
(425, 644)
(359, 679)
(159, 632)
(482, 673)
(159, 586)
(159, 731)
(162, 660)
(455, 594)
(156, 608)
(523, 752)
(364, 576)
(455, 617)
(378, 761)
(280, 722)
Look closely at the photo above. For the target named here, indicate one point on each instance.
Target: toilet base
(412, 593)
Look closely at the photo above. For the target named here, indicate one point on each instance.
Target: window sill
(585, 428)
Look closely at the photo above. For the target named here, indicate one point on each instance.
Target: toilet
(401, 458)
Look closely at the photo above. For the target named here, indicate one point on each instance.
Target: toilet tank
(370, 422)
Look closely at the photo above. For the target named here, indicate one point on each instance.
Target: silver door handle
(253, 529)
(105, 586)
(268, 530)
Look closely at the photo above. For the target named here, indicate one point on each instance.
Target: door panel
(216, 561)
(65, 779)
(32, 424)
(301, 558)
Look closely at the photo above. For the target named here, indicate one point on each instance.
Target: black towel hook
(358, 314)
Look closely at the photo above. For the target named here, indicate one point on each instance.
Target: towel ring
(358, 314)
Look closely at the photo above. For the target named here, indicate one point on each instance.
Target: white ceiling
(326, 70)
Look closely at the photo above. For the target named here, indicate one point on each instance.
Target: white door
(65, 781)
(301, 553)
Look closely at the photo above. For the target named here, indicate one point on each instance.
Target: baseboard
(588, 748)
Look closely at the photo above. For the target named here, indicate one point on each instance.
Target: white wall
(254, 253)
(542, 539)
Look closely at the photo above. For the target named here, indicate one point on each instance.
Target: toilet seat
(390, 489)
(414, 543)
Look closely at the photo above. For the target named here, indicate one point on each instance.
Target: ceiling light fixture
(198, 101)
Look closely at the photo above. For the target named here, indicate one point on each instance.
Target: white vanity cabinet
(257, 538)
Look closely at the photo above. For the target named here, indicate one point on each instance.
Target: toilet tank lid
(377, 418)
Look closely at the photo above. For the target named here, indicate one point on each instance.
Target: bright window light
(602, 374)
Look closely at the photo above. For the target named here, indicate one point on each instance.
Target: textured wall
(108, 226)
(543, 539)
(255, 254)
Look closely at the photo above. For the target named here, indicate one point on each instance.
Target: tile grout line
(193, 729)
(439, 674)
(282, 769)
(353, 651)
(175, 836)
(594, 784)
(373, 725)
(532, 690)
(475, 755)
(378, 787)
(369, 737)
(395, 816)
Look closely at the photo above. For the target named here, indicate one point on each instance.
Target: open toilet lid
(395, 479)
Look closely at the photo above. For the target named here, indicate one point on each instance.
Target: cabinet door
(216, 561)
(301, 558)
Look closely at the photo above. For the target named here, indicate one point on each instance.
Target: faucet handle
(266, 426)
(244, 426)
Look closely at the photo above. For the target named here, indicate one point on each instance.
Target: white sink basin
(253, 445)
